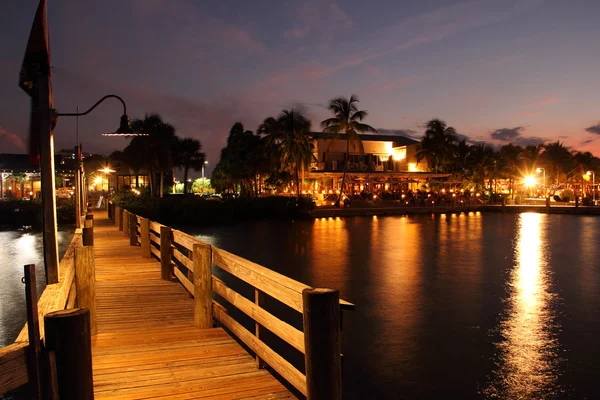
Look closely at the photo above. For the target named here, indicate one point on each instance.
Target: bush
(18, 213)
(194, 210)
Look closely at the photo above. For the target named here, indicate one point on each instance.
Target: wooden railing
(191, 262)
(31, 360)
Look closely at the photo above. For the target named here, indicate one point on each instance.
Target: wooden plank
(185, 240)
(186, 262)
(54, 297)
(202, 286)
(261, 278)
(145, 238)
(184, 280)
(85, 283)
(155, 251)
(274, 360)
(13, 367)
(282, 288)
(72, 297)
(280, 328)
(155, 226)
(259, 299)
(154, 238)
(35, 345)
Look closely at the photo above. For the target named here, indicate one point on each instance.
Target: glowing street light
(593, 185)
(529, 181)
(203, 165)
(538, 170)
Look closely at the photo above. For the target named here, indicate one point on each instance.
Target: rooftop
(397, 139)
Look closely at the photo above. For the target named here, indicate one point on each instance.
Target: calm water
(17, 249)
(458, 306)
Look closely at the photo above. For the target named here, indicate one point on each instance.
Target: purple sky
(498, 71)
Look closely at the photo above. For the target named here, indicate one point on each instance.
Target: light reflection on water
(465, 306)
(19, 248)
(528, 355)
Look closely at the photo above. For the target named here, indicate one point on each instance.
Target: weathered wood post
(120, 218)
(259, 300)
(547, 205)
(109, 206)
(85, 283)
(87, 236)
(125, 223)
(203, 286)
(132, 229)
(165, 252)
(117, 212)
(321, 308)
(145, 237)
(33, 329)
(67, 334)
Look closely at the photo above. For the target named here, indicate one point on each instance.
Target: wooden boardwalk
(147, 346)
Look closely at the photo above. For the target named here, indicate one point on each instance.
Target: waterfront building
(20, 179)
(388, 163)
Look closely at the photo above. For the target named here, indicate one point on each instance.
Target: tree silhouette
(347, 121)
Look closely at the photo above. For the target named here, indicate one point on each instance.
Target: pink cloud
(320, 19)
(10, 141)
(545, 101)
(526, 114)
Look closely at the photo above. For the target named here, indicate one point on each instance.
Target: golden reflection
(528, 348)
(333, 258)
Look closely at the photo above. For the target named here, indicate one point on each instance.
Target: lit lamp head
(529, 181)
(589, 173)
(538, 170)
(125, 129)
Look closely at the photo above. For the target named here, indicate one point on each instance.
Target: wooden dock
(144, 311)
(147, 345)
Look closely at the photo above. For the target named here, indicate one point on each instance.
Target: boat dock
(157, 331)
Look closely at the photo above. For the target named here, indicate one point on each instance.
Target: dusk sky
(524, 71)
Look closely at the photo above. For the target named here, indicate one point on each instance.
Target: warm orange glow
(529, 181)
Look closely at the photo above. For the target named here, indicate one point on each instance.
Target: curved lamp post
(593, 185)
(124, 128)
(538, 170)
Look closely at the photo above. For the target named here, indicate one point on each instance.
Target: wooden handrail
(195, 256)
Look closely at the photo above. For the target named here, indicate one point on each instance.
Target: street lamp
(205, 163)
(593, 185)
(106, 171)
(124, 128)
(538, 170)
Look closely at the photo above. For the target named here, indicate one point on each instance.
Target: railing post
(321, 309)
(87, 236)
(120, 215)
(165, 252)
(125, 223)
(33, 326)
(547, 205)
(117, 212)
(109, 210)
(85, 282)
(133, 230)
(67, 334)
(203, 286)
(259, 299)
(145, 237)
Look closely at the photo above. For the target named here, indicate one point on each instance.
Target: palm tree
(154, 152)
(530, 156)
(290, 134)
(190, 156)
(510, 155)
(347, 120)
(557, 158)
(437, 147)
